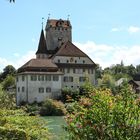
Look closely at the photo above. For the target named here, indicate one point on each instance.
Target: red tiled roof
(54, 23)
(42, 47)
(38, 65)
(69, 49)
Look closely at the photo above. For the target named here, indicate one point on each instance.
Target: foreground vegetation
(103, 116)
(16, 124)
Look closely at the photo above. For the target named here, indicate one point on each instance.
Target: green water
(55, 126)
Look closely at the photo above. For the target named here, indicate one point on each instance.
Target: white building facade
(58, 64)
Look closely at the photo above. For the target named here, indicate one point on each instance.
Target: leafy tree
(98, 72)
(105, 117)
(138, 68)
(8, 81)
(8, 70)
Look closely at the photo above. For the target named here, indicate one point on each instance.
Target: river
(55, 126)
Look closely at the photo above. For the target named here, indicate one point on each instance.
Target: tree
(8, 81)
(105, 117)
(8, 70)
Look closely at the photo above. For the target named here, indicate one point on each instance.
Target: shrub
(18, 125)
(105, 117)
(52, 108)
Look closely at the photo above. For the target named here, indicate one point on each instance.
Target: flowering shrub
(105, 117)
(52, 108)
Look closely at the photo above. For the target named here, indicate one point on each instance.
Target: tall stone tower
(57, 32)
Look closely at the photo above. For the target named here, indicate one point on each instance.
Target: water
(55, 126)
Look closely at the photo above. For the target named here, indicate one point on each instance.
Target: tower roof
(42, 47)
(58, 23)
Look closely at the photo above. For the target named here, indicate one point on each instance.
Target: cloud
(115, 29)
(106, 55)
(102, 54)
(19, 62)
(133, 29)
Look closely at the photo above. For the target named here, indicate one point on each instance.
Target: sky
(107, 30)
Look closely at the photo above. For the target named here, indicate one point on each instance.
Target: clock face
(71, 59)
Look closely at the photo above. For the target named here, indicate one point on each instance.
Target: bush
(52, 108)
(105, 117)
(16, 134)
(18, 125)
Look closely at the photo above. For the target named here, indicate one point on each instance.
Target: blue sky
(107, 30)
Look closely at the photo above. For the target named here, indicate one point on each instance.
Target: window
(68, 70)
(58, 60)
(48, 77)
(41, 90)
(83, 61)
(39, 78)
(83, 70)
(48, 89)
(65, 79)
(55, 78)
(68, 79)
(18, 89)
(33, 78)
(73, 70)
(75, 61)
(23, 89)
(67, 61)
(88, 71)
(42, 77)
(23, 78)
(82, 79)
(17, 79)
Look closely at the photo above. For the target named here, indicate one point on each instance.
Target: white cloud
(133, 29)
(115, 29)
(106, 55)
(19, 62)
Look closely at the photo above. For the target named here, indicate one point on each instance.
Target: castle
(58, 64)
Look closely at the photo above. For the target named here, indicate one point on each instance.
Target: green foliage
(8, 81)
(8, 70)
(105, 117)
(70, 95)
(6, 100)
(16, 124)
(52, 108)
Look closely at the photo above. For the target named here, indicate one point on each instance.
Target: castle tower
(57, 32)
(42, 47)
